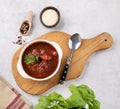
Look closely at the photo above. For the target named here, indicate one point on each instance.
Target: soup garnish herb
(31, 59)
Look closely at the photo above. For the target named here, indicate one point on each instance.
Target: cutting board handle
(99, 42)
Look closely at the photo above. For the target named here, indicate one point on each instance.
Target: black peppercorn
(24, 28)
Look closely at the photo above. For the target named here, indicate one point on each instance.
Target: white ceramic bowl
(21, 69)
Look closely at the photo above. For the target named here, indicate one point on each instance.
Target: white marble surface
(87, 17)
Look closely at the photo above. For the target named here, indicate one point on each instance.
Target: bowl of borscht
(39, 60)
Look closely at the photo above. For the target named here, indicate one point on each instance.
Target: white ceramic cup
(22, 71)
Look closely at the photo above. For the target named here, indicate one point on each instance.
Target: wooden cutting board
(79, 59)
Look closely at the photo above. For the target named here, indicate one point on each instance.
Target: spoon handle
(63, 77)
(30, 15)
(65, 71)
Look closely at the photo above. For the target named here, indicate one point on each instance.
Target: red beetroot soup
(40, 60)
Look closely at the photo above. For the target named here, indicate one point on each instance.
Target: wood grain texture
(79, 59)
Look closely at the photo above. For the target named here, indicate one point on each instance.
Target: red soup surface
(40, 60)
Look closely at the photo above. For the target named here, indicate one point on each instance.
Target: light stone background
(87, 17)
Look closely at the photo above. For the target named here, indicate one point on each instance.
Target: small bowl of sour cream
(50, 16)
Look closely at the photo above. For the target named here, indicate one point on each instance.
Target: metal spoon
(74, 43)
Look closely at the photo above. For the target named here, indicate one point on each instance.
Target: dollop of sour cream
(50, 17)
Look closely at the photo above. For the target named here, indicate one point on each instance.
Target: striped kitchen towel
(11, 98)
